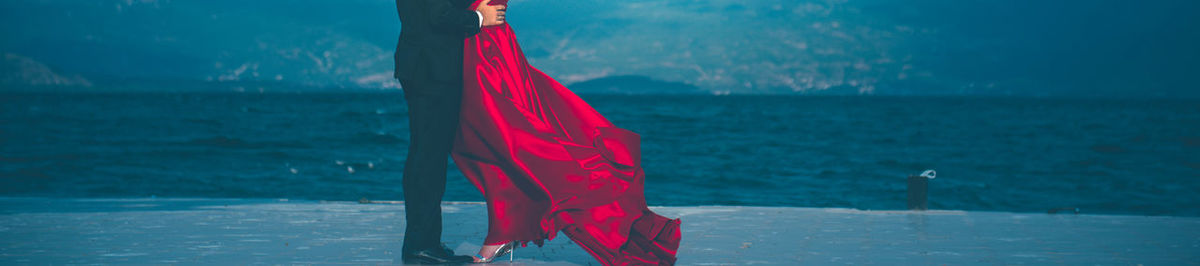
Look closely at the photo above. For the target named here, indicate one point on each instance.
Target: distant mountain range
(19, 70)
(1018, 47)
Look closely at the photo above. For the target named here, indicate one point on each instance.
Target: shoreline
(400, 202)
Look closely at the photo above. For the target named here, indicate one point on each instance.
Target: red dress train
(546, 161)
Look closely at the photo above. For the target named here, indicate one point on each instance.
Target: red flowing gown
(546, 161)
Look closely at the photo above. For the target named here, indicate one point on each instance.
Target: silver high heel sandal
(506, 248)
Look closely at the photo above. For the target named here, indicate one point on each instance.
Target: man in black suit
(429, 62)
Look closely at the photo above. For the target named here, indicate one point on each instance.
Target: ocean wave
(379, 138)
(228, 142)
(350, 114)
(202, 121)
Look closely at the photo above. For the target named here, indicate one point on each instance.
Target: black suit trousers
(433, 108)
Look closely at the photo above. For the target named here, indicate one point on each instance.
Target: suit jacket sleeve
(449, 17)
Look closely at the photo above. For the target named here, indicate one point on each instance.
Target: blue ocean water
(1112, 156)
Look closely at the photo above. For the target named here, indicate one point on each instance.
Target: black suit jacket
(431, 38)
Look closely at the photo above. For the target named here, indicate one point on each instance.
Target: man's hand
(492, 15)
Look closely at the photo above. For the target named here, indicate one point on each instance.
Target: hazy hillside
(719, 46)
(19, 72)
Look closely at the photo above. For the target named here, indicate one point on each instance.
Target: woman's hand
(492, 15)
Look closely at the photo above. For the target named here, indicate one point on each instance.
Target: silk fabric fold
(546, 161)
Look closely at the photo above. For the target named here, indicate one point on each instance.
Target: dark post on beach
(918, 190)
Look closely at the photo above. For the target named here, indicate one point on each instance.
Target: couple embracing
(545, 161)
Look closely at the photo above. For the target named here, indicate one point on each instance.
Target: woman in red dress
(547, 162)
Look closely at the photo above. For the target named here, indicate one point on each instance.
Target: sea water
(1111, 156)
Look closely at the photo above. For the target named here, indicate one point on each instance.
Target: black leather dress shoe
(437, 255)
